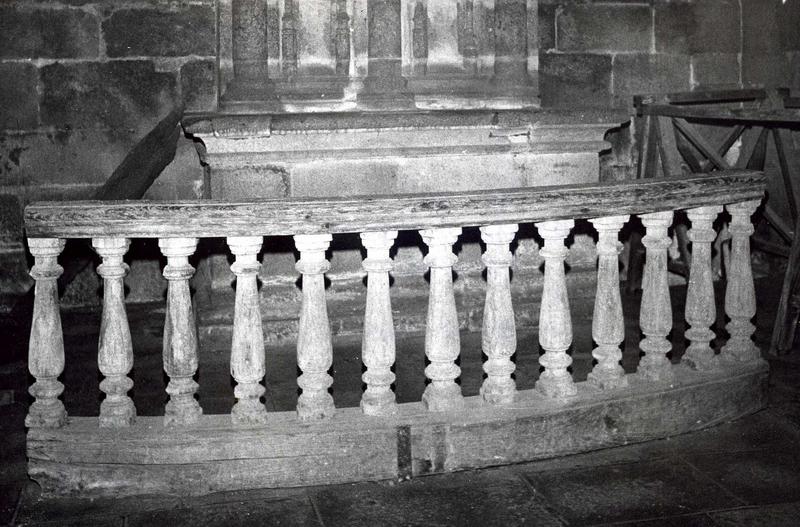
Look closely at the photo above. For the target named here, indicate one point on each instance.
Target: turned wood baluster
(248, 362)
(46, 345)
(115, 351)
(701, 310)
(378, 344)
(442, 342)
(655, 316)
(180, 333)
(608, 323)
(555, 326)
(740, 296)
(314, 348)
(499, 336)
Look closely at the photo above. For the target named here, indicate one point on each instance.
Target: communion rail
(187, 452)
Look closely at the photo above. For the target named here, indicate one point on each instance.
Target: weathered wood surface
(499, 335)
(700, 306)
(314, 345)
(209, 218)
(46, 344)
(442, 340)
(788, 116)
(555, 321)
(608, 321)
(180, 333)
(655, 315)
(212, 456)
(378, 342)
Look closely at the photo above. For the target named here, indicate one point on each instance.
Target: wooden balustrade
(439, 220)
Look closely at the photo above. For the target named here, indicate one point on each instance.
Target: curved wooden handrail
(211, 218)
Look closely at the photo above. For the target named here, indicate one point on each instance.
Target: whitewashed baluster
(115, 351)
(608, 323)
(701, 311)
(442, 342)
(314, 347)
(740, 296)
(248, 361)
(180, 333)
(655, 316)
(555, 325)
(378, 344)
(46, 344)
(499, 336)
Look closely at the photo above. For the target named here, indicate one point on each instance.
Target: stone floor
(741, 473)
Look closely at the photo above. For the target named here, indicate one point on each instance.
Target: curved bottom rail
(214, 455)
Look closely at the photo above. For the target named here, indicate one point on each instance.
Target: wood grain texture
(442, 340)
(46, 344)
(499, 334)
(209, 218)
(655, 315)
(314, 345)
(115, 349)
(180, 333)
(555, 322)
(608, 322)
(740, 293)
(378, 342)
(248, 360)
(700, 306)
(212, 456)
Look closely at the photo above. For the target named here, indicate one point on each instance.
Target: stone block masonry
(81, 82)
(600, 53)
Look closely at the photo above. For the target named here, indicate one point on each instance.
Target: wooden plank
(786, 116)
(668, 149)
(784, 150)
(698, 97)
(788, 311)
(212, 456)
(688, 153)
(731, 138)
(754, 149)
(701, 143)
(211, 218)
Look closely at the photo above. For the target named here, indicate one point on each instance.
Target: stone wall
(599, 54)
(81, 81)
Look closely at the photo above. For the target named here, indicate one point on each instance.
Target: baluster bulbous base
(182, 408)
(655, 366)
(47, 410)
(248, 409)
(315, 403)
(499, 391)
(608, 374)
(555, 384)
(117, 409)
(700, 356)
(378, 398)
(442, 397)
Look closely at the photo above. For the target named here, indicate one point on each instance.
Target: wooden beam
(211, 218)
(784, 150)
(701, 143)
(700, 97)
(724, 114)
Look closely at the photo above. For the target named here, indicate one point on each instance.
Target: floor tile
(687, 520)
(779, 515)
(287, 511)
(9, 497)
(635, 491)
(759, 477)
(484, 498)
